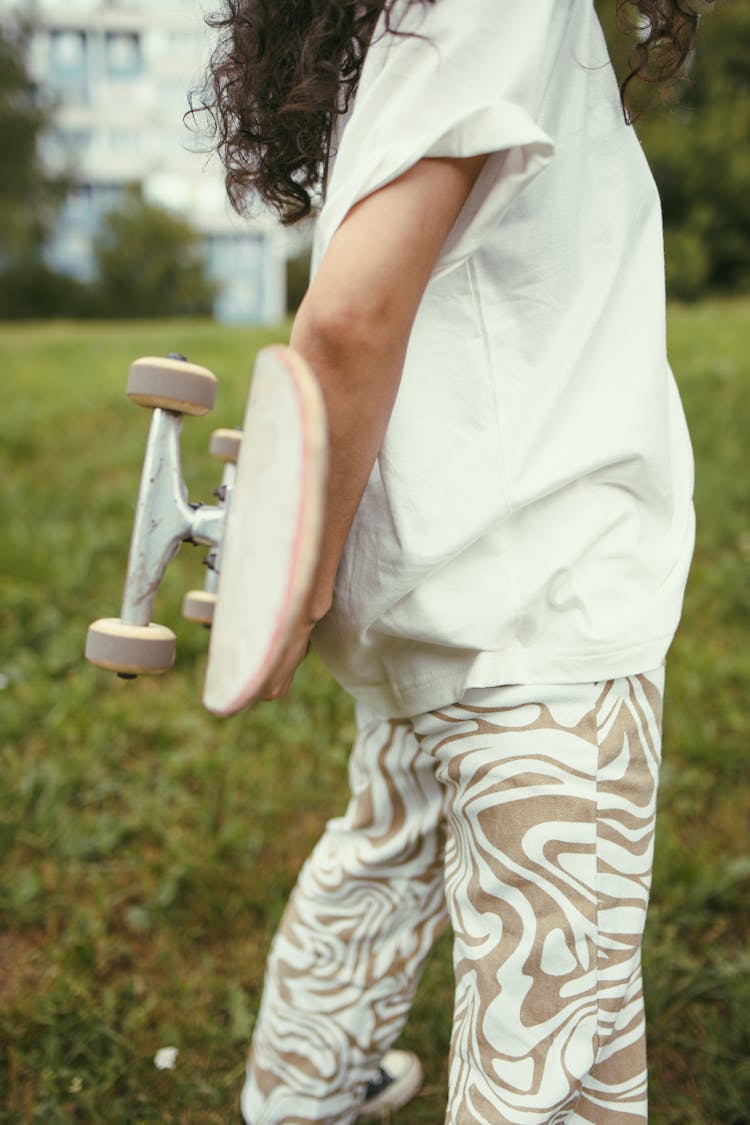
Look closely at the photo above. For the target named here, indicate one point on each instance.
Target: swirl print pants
(524, 816)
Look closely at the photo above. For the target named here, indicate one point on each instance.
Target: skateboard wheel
(172, 384)
(198, 605)
(130, 649)
(225, 444)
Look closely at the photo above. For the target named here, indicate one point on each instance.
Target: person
(508, 532)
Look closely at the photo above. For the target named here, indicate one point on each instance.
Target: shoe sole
(397, 1094)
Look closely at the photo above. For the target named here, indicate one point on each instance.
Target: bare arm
(353, 329)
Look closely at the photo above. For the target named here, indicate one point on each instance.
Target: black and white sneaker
(397, 1080)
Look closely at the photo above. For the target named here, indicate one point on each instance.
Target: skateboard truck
(165, 518)
(199, 605)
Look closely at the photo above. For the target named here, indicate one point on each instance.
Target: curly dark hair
(282, 72)
(664, 32)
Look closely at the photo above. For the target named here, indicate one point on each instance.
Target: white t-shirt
(529, 518)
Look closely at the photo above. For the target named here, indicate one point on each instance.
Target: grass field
(147, 848)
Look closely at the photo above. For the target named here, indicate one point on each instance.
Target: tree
(150, 263)
(699, 151)
(700, 154)
(30, 196)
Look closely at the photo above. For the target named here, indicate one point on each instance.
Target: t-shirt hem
(513, 666)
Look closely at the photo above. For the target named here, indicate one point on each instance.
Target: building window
(123, 54)
(68, 54)
(234, 254)
(237, 263)
(103, 198)
(68, 66)
(75, 141)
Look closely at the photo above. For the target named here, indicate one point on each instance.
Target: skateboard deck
(272, 532)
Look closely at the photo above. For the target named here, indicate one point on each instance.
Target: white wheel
(198, 605)
(225, 444)
(130, 649)
(172, 384)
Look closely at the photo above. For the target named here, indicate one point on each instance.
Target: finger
(279, 683)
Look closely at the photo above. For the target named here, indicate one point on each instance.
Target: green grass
(147, 849)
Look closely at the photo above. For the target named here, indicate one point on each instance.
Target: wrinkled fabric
(529, 518)
(525, 817)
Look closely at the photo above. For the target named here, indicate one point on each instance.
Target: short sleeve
(451, 78)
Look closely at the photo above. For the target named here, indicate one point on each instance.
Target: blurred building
(121, 71)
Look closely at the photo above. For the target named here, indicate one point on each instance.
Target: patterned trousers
(525, 817)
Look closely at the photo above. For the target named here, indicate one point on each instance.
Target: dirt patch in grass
(21, 965)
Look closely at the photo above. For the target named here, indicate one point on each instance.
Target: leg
(547, 873)
(345, 962)
(629, 730)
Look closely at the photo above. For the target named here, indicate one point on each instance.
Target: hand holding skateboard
(264, 531)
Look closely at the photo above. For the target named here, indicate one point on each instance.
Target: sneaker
(397, 1080)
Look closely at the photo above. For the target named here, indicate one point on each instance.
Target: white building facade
(120, 71)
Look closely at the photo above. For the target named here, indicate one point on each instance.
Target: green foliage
(147, 849)
(297, 279)
(700, 154)
(29, 196)
(30, 289)
(697, 139)
(149, 263)
(688, 263)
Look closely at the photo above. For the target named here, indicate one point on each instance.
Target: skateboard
(263, 532)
